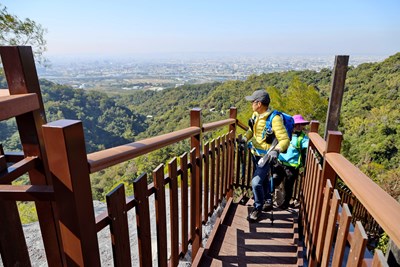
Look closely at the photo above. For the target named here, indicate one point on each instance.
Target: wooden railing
(59, 168)
(328, 232)
(211, 171)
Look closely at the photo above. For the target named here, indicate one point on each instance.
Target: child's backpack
(287, 121)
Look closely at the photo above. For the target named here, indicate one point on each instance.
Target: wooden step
(239, 242)
(282, 219)
(14, 105)
(207, 261)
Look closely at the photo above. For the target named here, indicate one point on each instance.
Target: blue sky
(291, 27)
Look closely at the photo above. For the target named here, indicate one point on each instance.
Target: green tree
(14, 31)
(304, 99)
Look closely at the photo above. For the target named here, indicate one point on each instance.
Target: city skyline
(151, 28)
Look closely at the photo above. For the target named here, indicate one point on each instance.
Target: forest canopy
(369, 116)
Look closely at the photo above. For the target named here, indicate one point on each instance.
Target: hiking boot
(267, 205)
(254, 215)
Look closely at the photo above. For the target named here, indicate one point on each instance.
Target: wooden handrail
(18, 169)
(379, 204)
(106, 158)
(213, 125)
(319, 142)
(27, 192)
(14, 105)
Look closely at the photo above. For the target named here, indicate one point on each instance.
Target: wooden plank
(117, 211)
(318, 143)
(14, 156)
(379, 259)
(206, 181)
(72, 189)
(232, 163)
(161, 215)
(174, 214)
(330, 228)
(109, 157)
(16, 170)
(217, 124)
(218, 168)
(195, 143)
(184, 203)
(223, 167)
(309, 207)
(27, 192)
(143, 221)
(212, 176)
(324, 221)
(15, 105)
(357, 246)
(315, 214)
(193, 192)
(340, 244)
(232, 133)
(229, 167)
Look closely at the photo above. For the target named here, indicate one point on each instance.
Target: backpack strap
(268, 124)
(299, 139)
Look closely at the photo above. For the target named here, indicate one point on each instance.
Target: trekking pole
(272, 195)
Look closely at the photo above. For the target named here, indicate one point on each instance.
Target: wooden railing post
(232, 137)
(65, 145)
(195, 143)
(20, 71)
(314, 125)
(337, 90)
(333, 144)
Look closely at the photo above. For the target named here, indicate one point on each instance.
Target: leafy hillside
(106, 124)
(371, 121)
(369, 116)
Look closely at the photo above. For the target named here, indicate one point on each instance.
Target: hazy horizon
(159, 28)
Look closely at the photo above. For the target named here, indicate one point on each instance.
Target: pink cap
(298, 119)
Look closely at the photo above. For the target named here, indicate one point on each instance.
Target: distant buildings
(131, 74)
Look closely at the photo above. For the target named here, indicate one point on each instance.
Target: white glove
(262, 161)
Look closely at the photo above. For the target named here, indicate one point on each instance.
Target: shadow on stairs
(235, 241)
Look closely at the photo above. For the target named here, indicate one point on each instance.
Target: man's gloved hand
(272, 156)
(242, 142)
(262, 161)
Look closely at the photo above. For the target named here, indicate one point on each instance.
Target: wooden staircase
(235, 241)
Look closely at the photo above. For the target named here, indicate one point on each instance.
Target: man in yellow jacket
(265, 147)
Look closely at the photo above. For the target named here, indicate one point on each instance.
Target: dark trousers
(289, 175)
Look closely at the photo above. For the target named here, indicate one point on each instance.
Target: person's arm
(248, 135)
(303, 149)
